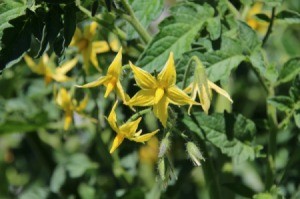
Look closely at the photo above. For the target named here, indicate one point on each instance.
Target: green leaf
(86, 191)
(263, 17)
(289, 16)
(78, 164)
(290, 69)
(213, 127)
(58, 178)
(15, 40)
(69, 23)
(282, 103)
(222, 68)
(8, 11)
(177, 33)
(248, 37)
(297, 117)
(214, 27)
(35, 192)
(145, 11)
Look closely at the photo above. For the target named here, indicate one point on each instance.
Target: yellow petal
(59, 77)
(161, 110)
(66, 67)
(94, 60)
(68, 120)
(76, 37)
(99, 81)
(129, 128)
(204, 97)
(159, 93)
(90, 30)
(121, 93)
(110, 87)
(167, 77)
(63, 98)
(112, 118)
(116, 143)
(143, 79)
(114, 42)
(33, 66)
(219, 90)
(145, 137)
(82, 104)
(115, 67)
(100, 46)
(142, 98)
(178, 97)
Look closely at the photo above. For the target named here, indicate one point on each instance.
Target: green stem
(187, 71)
(131, 18)
(271, 113)
(233, 9)
(260, 78)
(138, 114)
(269, 31)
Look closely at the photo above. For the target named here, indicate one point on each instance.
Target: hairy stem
(131, 18)
(138, 114)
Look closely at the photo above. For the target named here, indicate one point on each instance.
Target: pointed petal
(112, 118)
(60, 77)
(188, 89)
(94, 61)
(219, 90)
(121, 93)
(143, 79)
(159, 93)
(90, 30)
(100, 46)
(178, 97)
(129, 128)
(116, 143)
(33, 66)
(86, 55)
(145, 137)
(76, 37)
(66, 67)
(82, 104)
(109, 88)
(204, 97)
(142, 98)
(115, 67)
(161, 110)
(68, 120)
(99, 81)
(63, 98)
(167, 77)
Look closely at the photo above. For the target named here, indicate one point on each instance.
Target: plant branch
(269, 31)
(233, 9)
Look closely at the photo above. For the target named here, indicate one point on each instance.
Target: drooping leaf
(15, 40)
(177, 32)
(214, 27)
(283, 103)
(78, 164)
(145, 11)
(289, 16)
(290, 69)
(213, 128)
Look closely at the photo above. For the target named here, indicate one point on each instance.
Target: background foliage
(250, 147)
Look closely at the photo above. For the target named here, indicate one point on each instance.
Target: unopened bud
(162, 169)
(194, 153)
(164, 146)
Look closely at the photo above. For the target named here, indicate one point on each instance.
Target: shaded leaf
(78, 164)
(69, 23)
(58, 178)
(282, 103)
(213, 127)
(247, 37)
(289, 16)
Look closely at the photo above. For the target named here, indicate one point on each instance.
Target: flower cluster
(157, 91)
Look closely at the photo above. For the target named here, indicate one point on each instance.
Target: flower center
(83, 44)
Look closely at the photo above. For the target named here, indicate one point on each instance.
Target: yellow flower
(127, 130)
(87, 47)
(202, 86)
(49, 70)
(112, 79)
(69, 105)
(158, 91)
(253, 22)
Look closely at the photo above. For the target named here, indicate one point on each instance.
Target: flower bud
(194, 153)
(164, 146)
(162, 169)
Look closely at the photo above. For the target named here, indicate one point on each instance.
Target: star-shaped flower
(88, 47)
(158, 91)
(112, 79)
(69, 105)
(127, 130)
(49, 70)
(202, 86)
